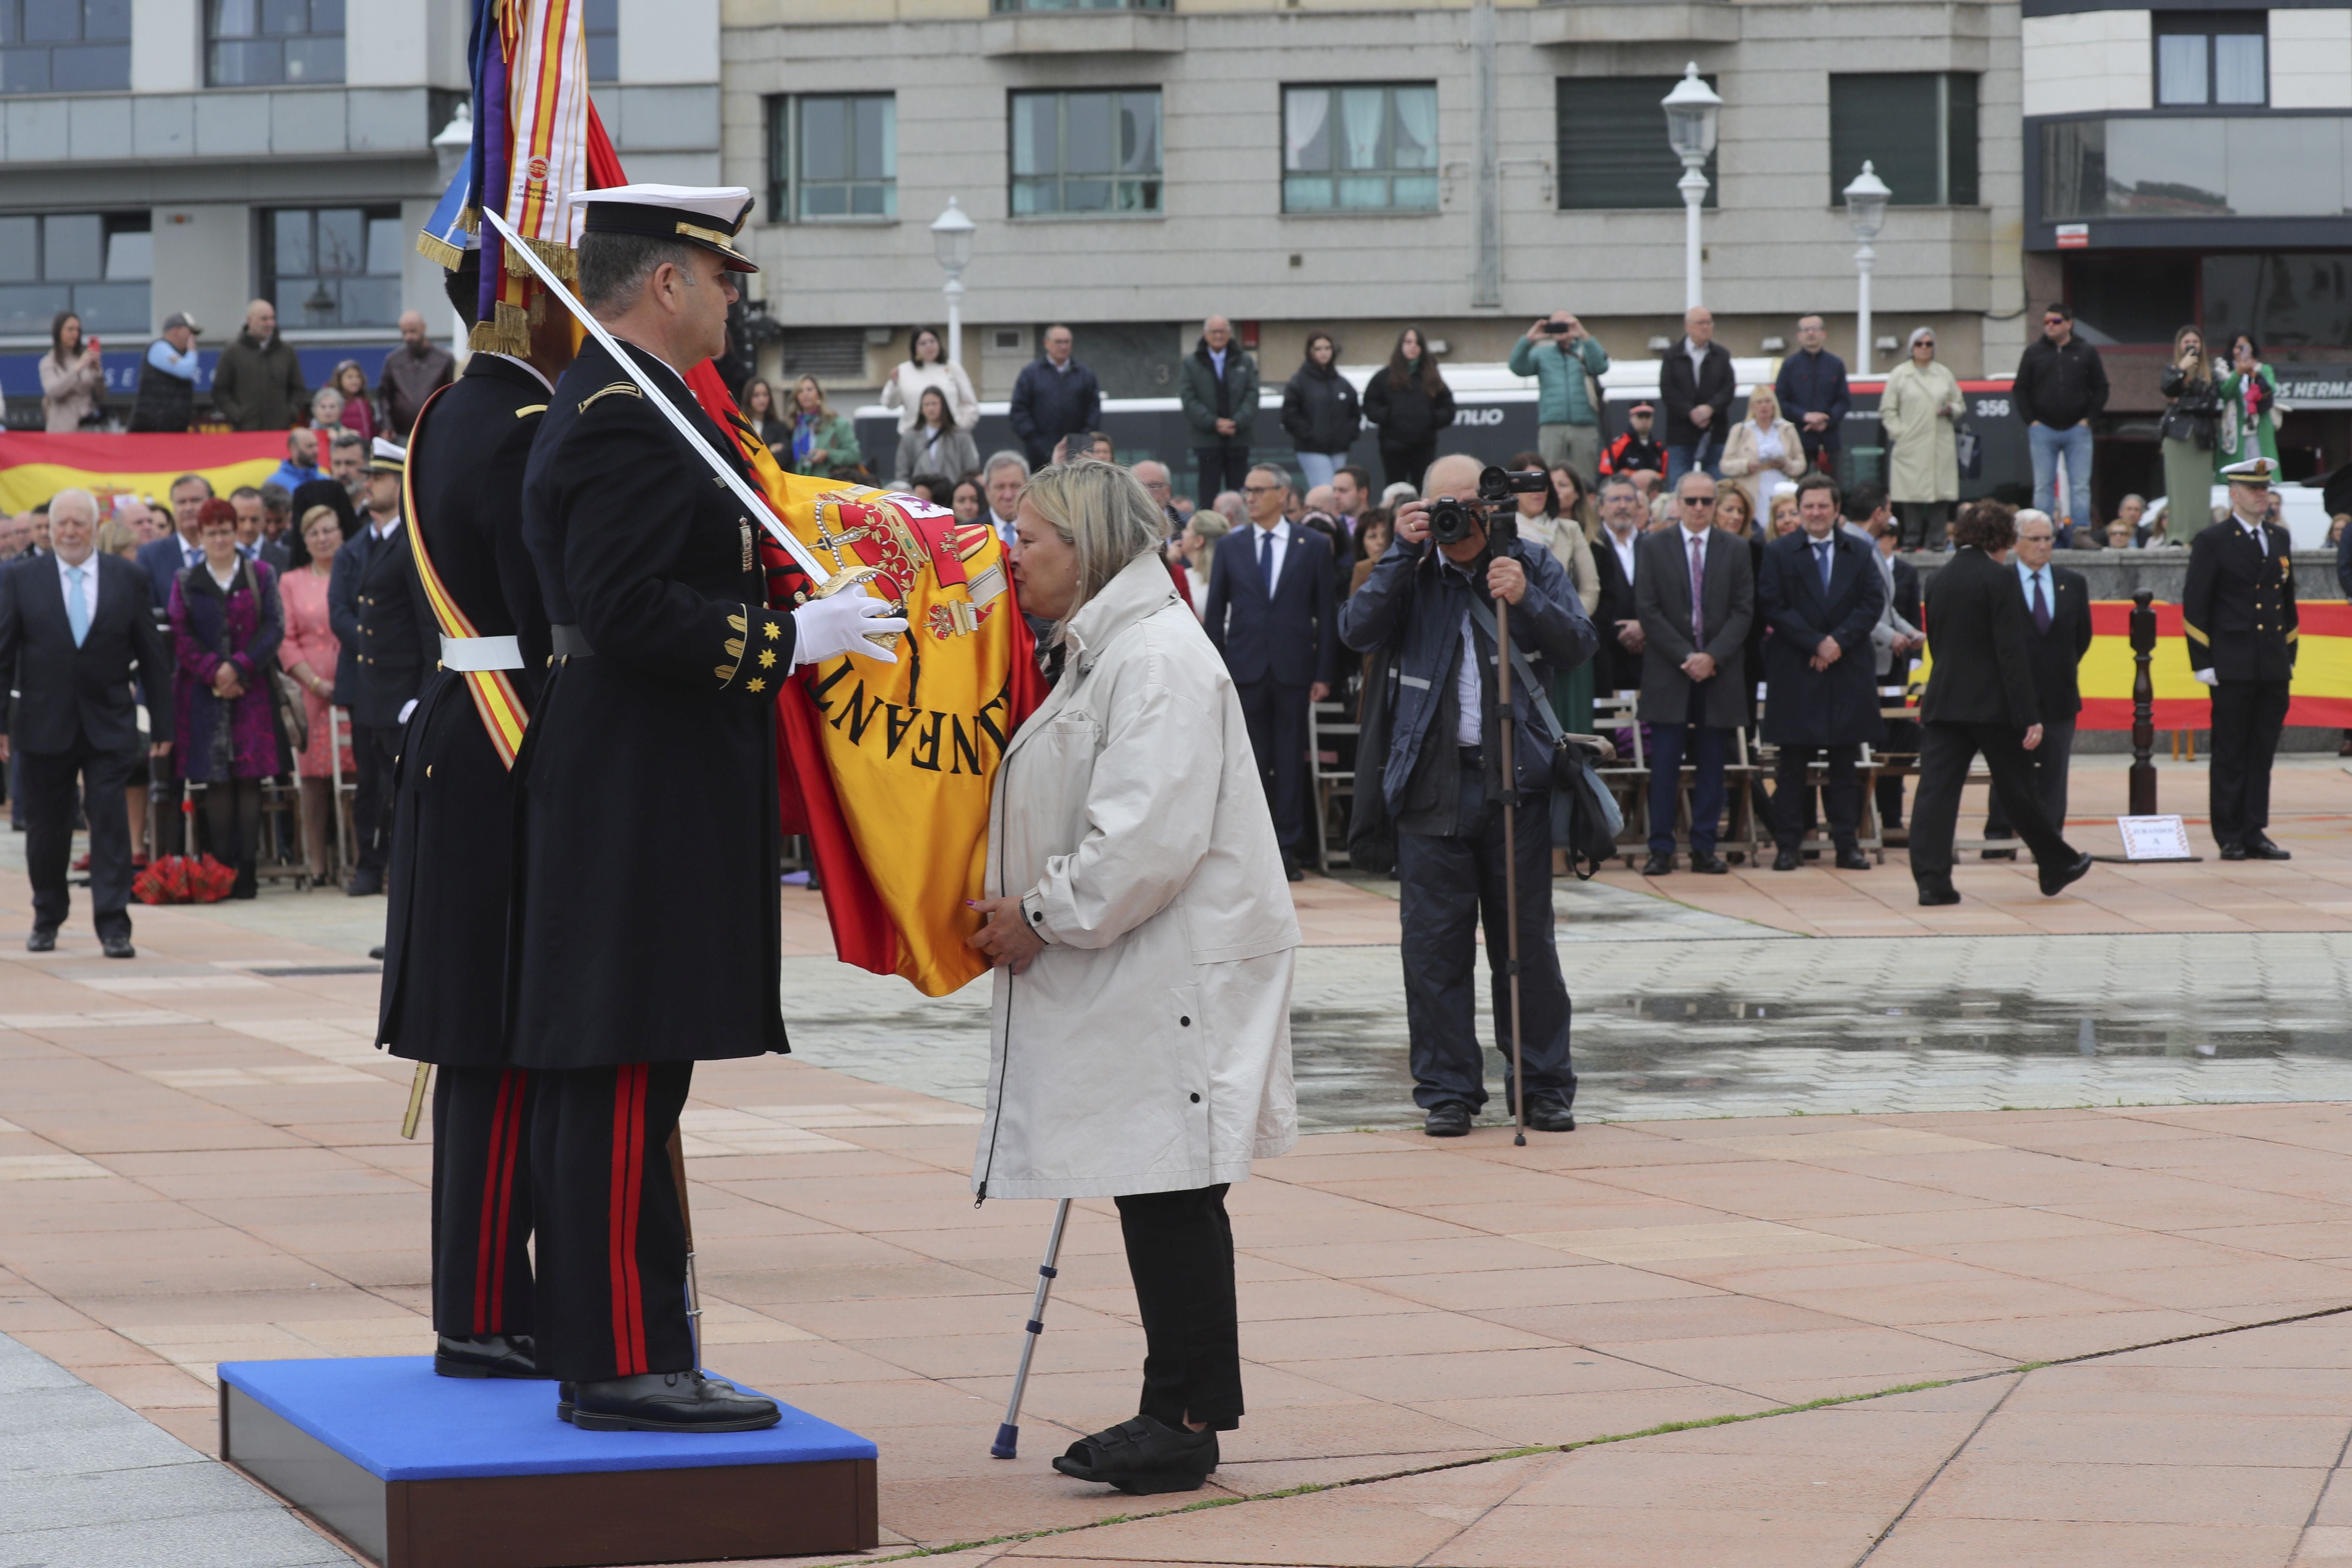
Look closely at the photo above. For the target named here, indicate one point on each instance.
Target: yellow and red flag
(34, 467)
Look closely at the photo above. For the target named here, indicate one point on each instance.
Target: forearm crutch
(686, 1217)
(1510, 861)
(1008, 1435)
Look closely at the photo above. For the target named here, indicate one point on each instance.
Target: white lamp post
(449, 150)
(951, 241)
(1691, 109)
(1866, 214)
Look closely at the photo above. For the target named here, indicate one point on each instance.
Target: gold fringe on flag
(440, 252)
(560, 258)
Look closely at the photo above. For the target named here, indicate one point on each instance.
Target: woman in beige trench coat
(1917, 413)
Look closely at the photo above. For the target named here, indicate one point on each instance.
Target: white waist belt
(480, 653)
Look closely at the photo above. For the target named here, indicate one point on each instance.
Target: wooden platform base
(419, 1471)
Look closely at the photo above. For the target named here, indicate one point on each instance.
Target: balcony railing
(2197, 167)
(1032, 7)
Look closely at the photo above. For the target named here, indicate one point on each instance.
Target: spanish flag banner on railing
(2321, 696)
(35, 466)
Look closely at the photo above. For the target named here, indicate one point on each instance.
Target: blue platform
(421, 1471)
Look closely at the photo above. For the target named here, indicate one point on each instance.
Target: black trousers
(165, 794)
(1922, 523)
(2247, 718)
(1447, 885)
(1945, 752)
(1405, 464)
(1180, 1251)
(2050, 762)
(1222, 467)
(482, 1202)
(47, 779)
(374, 749)
(611, 1237)
(1277, 717)
(1841, 793)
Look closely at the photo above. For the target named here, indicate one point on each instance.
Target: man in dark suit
(1272, 613)
(1980, 698)
(1821, 590)
(2239, 614)
(2058, 633)
(253, 541)
(1695, 383)
(1696, 593)
(383, 617)
(71, 625)
(1616, 559)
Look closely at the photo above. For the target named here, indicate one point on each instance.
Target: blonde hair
(1764, 390)
(1103, 511)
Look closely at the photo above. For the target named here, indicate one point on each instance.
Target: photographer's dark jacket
(1414, 603)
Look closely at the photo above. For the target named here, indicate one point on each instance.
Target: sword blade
(734, 482)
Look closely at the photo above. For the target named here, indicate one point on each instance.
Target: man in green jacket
(257, 382)
(1217, 385)
(1566, 363)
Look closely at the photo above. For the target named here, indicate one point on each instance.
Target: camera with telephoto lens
(1452, 519)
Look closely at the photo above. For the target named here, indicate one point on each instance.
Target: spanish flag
(35, 466)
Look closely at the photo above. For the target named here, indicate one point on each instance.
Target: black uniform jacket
(1809, 706)
(2238, 608)
(384, 625)
(64, 693)
(452, 867)
(647, 919)
(1978, 670)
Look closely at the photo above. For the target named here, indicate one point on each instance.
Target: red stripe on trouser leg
(490, 1232)
(634, 1198)
(521, 1083)
(615, 1212)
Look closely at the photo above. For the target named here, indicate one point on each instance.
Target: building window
(601, 21)
(93, 264)
(2210, 57)
(1367, 148)
(1086, 152)
(1612, 144)
(833, 157)
(269, 43)
(1917, 130)
(333, 267)
(65, 45)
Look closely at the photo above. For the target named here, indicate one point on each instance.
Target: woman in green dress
(2249, 407)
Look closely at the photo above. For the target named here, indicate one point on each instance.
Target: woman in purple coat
(227, 624)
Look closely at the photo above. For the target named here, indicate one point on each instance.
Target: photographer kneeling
(1442, 784)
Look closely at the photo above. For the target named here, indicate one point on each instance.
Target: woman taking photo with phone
(2190, 426)
(2249, 407)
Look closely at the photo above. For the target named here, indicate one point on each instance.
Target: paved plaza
(2051, 1202)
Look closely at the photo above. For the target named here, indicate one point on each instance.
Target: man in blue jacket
(1812, 392)
(1444, 787)
(1054, 396)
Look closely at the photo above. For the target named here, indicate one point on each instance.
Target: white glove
(406, 709)
(829, 627)
(2207, 675)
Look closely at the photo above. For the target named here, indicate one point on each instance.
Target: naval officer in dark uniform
(2238, 613)
(646, 924)
(453, 833)
(383, 617)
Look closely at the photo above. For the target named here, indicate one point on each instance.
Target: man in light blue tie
(75, 630)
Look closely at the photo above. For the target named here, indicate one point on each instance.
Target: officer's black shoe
(41, 940)
(1788, 860)
(1708, 863)
(485, 1355)
(1142, 1458)
(1934, 893)
(2055, 880)
(1850, 857)
(564, 1393)
(1551, 1116)
(1451, 1119)
(1292, 872)
(1657, 865)
(118, 944)
(669, 1402)
(2233, 851)
(364, 883)
(2261, 848)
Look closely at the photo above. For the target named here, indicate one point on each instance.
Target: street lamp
(1691, 109)
(449, 150)
(1866, 214)
(952, 242)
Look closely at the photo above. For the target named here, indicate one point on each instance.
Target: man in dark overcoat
(453, 836)
(646, 924)
(1695, 591)
(2239, 614)
(1820, 591)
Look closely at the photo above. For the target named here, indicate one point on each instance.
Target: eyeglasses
(2054, 320)
(1263, 490)
(1696, 500)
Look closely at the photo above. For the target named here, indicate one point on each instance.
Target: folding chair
(1331, 738)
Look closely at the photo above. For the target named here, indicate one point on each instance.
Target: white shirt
(383, 527)
(1466, 730)
(2260, 536)
(1281, 532)
(1697, 352)
(87, 571)
(1624, 549)
(526, 365)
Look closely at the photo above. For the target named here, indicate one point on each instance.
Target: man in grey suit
(1696, 593)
